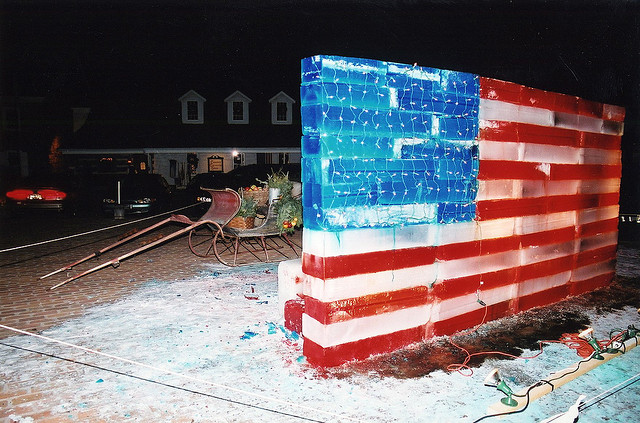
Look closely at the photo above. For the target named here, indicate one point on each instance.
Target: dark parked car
(139, 193)
(43, 192)
(240, 177)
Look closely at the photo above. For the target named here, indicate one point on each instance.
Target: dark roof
(160, 125)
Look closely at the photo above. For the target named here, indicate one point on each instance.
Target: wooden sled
(224, 206)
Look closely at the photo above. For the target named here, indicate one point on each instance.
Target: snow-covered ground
(201, 350)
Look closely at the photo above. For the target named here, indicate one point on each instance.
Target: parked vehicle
(240, 177)
(137, 193)
(43, 192)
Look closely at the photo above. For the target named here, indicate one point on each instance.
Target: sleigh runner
(209, 236)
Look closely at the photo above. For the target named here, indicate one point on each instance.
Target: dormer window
(237, 108)
(192, 107)
(192, 111)
(281, 109)
(238, 111)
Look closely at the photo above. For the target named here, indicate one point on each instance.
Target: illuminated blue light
(387, 144)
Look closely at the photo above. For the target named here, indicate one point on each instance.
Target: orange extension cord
(571, 340)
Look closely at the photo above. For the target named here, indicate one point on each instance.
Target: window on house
(192, 110)
(238, 110)
(264, 158)
(283, 158)
(281, 111)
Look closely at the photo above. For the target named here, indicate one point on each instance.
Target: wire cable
(609, 392)
(187, 377)
(35, 244)
(168, 385)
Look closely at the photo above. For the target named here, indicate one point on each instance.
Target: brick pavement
(27, 303)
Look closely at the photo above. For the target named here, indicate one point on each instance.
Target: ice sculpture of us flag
(430, 193)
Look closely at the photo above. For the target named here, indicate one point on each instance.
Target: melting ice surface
(231, 348)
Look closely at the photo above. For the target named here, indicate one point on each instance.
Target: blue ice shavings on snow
(272, 329)
(248, 334)
(387, 144)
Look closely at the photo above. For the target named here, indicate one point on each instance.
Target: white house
(198, 141)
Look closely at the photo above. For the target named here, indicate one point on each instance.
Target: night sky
(116, 57)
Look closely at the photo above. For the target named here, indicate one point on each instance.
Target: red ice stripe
(499, 130)
(614, 113)
(554, 236)
(376, 261)
(498, 245)
(496, 209)
(598, 227)
(548, 296)
(475, 248)
(470, 319)
(367, 305)
(562, 171)
(507, 131)
(508, 169)
(456, 287)
(358, 350)
(494, 89)
(588, 285)
(602, 141)
(597, 255)
(548, 135)
(534, 134)
(546, 268)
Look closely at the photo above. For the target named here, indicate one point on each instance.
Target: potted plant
(289, 213)
(245, 218)
(279, 184)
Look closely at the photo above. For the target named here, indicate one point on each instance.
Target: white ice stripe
(599, 186)
(366, 240)
(495, 110)
(365, 327)
(500, 110)
(600, 156)
(593, 270)
(357, 241)
(360, 285)
(543, 153)
(507, 189)
(597, 241)
(454, 307)
(458, 306)
(597, 213)
(388, 281)
(532, 286)
(538, 254)
(544, 222)
(500, 150)
(498, 189)
(452, 269)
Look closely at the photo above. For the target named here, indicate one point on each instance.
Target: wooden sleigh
(208, 236)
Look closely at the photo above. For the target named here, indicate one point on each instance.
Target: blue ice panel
(380, 136)
(330, 146)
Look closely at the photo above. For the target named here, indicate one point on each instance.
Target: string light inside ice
(387, 144)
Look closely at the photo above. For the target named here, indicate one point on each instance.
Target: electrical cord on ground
(463, 368)
(624, 335)
(168, 385)
(35, 244)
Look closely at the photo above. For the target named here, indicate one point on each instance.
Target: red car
(43, 192)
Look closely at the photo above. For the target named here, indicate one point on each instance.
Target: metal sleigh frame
(208, 236)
